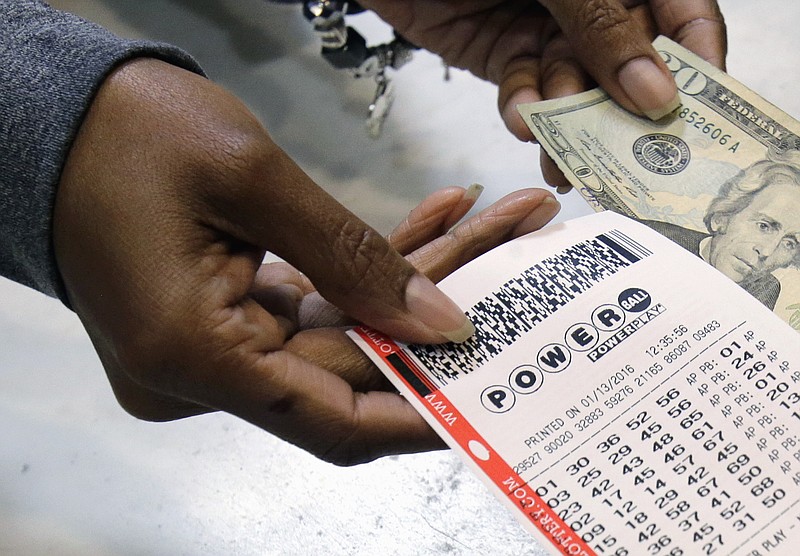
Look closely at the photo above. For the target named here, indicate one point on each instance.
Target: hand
(553, 48)
(171, 195)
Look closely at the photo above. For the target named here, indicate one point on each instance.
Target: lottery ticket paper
(620, 396)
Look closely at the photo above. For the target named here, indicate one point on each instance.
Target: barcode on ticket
(522, 303)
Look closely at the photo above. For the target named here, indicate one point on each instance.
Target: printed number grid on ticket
(620, 396)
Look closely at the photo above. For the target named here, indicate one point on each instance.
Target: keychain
(345, 48)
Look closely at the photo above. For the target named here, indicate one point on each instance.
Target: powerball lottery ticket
(620, 396)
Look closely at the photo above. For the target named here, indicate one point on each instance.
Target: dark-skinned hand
(553, 48)
(172, 194)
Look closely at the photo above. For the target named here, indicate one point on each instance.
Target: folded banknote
(720, 175)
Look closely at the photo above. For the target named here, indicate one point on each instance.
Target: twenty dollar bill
(720, 175)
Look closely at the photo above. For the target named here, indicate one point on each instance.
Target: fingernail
(514, 120)
(473, 192)
(431, 306)
(650, 89)
(563, 189)
(466, 204)
(543, 214)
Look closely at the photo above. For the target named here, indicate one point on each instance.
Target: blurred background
(79, 476)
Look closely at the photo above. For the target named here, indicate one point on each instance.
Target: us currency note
(720, 175)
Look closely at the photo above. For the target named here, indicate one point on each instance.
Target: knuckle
(362, 253)
(600, 18)
(469, 239)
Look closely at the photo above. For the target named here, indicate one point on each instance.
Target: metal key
(380, 106)
(344, 48)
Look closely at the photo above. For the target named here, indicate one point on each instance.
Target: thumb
(616, 51)
(280, 209)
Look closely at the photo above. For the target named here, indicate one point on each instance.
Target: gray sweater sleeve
(51, 65)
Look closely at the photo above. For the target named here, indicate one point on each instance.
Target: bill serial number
(708, 128)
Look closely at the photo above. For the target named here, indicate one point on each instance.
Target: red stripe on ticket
(524, 498)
